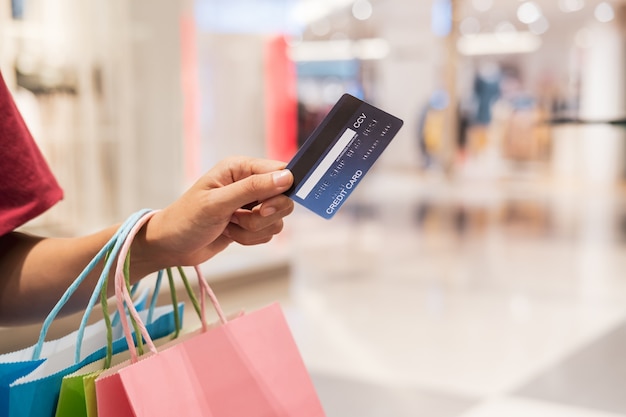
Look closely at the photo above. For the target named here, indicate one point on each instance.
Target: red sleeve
(27, 186)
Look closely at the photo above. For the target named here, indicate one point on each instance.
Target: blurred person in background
(36, 270)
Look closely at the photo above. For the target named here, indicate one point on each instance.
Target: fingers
(256, 187)
(280, 204)
(261, 223)
(208, 217)
(253, 237)
(263, 216)
(239, 167)
(251, 166)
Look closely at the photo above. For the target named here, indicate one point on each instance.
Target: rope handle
(112, 247)
(123, 296)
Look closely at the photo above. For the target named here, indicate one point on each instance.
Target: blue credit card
(338, 154)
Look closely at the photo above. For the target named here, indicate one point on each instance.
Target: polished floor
(425, 297)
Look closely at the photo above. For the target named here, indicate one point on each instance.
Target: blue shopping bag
(36, 394)
(15, 365)
(13, 368)
(30, 379)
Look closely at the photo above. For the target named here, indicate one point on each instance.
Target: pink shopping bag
(246, 367)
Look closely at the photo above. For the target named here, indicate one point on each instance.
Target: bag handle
(133, 292)
(109, 324)
(123, 296)
(155, 296)
(113, 246)
(101, 286)
(103, 281)
(113, 321)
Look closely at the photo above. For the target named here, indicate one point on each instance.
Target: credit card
(340, 151)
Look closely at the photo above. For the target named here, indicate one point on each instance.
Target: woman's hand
(208, 217)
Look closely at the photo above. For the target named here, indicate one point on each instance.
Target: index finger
(243, 167)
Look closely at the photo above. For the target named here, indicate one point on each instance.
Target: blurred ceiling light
(504, 29)
(342, 50)
(469, 26)
(362, 9)
(528, 12)
(305, 12)
(569, 6)
(499, 43)
(482, 5)
(540, 26)
(604, 12)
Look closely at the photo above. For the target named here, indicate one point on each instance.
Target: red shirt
(27, 186)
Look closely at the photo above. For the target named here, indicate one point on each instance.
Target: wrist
(147, 255)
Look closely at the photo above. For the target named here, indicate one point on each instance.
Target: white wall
(116, 146)
(232, 96)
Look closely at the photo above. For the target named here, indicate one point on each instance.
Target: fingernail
(267, 211)
(282, 178)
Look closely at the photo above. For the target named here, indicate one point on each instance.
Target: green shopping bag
(91, 404)
(72, 400)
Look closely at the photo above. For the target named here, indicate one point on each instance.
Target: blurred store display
(488, 89)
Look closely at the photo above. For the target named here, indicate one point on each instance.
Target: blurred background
(479, 268)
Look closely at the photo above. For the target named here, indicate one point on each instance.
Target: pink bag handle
(122, 295)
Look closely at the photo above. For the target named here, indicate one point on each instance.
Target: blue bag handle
(105, 272)
(113, 245)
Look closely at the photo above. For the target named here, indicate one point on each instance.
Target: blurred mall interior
(476, 270)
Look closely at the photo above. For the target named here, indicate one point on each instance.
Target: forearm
(36, 271)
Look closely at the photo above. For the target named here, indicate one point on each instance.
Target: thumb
(256, 187)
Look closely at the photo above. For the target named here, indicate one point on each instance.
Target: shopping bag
(16, 392)
(77, 397)
(72, 400)
(40, 368)
(14, 365)
(19, 363)
(77, 392)
(44, 382)
(249, 366)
